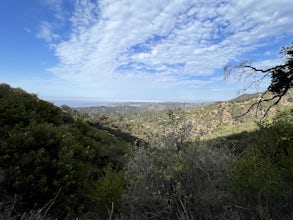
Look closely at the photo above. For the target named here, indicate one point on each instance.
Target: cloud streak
(46, 33)
(164, 44)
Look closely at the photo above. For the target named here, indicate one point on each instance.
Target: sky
(136, 50)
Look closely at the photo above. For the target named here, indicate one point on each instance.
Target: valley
(144, 160)
(208, 120)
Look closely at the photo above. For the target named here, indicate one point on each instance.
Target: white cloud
(58, 7)
(265, 64)
(46, 33)
(151, 44)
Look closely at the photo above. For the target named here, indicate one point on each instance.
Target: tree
(281, 79)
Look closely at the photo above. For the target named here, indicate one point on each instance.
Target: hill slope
(44, 151)
(53, 159)
(208, 120)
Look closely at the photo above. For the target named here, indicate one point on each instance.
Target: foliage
(175, 131)
(281, 79)
(107, 190)
(206, 180)
(263, 175)
(187, 182)
(60, 165)
(206, 121)
(282, 76)
(43, 150)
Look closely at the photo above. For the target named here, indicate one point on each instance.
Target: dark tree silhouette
(281, 79)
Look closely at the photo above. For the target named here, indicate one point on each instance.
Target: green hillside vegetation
(45, 151)
(210, 120)
(144, 161)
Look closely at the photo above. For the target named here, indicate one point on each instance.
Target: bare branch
(265, 71)
(281, 80)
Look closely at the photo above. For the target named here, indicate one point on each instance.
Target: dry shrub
(164, 183)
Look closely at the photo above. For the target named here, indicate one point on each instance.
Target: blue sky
(167, 50)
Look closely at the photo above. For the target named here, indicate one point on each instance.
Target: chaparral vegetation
(149, 160)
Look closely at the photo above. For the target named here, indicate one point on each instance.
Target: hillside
(205, 161)
(208, 120)
(130, 109)
(45, 151)
(144, 160)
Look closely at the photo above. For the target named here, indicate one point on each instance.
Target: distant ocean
(92, 103)
(80, 103)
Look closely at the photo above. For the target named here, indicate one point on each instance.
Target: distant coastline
(78, 103)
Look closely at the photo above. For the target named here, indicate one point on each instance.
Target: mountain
(129, 109)
(208, 120)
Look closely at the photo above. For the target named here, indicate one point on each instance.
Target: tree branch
(264, 71)
(281, 80)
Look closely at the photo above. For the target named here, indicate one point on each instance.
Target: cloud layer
(159, 46)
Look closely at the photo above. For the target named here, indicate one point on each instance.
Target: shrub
(42, 154)
(41, 159)
(189, 184)
(263, 175)
(106, 191)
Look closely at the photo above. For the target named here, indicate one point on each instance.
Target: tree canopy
(45, 153)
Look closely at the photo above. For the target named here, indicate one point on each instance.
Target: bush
(106, 192)
(39, 160)
(263, 175)
(42, 154)
(190, 184)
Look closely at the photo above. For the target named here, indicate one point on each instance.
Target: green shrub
(41, 159)
(41, 155)
(105, 193)
(263, 175)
